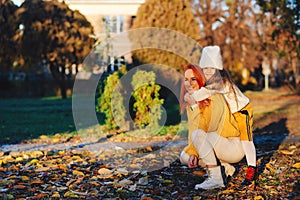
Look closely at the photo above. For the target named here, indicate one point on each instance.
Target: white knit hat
(211, 58)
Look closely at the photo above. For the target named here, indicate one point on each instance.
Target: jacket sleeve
(193, 124)
(203, 93)
(197, 119)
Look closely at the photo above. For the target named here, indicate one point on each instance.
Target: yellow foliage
(32, 162)
(18, 159)
(36, 181)
(36, 154)
(105, 173)
(55, 195)
(297, 165)
(228, 191)
(270, 167)
(286, 152)
(258, 198)
(25, 178)
(78, 173)
(61, 152)
(43, 137)
(55, 140)
(70, 195)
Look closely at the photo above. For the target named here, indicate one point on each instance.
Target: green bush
(147, 105)
(110, 101)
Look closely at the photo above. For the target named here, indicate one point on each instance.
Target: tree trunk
(63, 89)
(59, 78)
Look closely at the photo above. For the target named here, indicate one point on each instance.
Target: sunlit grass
(23, 119)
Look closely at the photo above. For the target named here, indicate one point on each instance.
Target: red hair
(200, 78)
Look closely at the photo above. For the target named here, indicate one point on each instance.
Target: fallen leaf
(167, 181)
(297, 165)
(19, 187)
(122, 171)
(286, 152)
(149, 148)
(35, 154)
(105, 173)
(43, 137)
(40, 196)
(18, 159)
(78, 173)
(125, 182)
(135, 166)
(32, 162)
(258, 197)
(42, 169)
(199, 173)
(143, 181)
(270, 167)
(132, 188)
(71, 195)
(55, 140)
(62, 188)
(36, 181)
(228, 191)
(70, 182)
(55, 195)
(149, 156)
(25, 178)
(146, 198)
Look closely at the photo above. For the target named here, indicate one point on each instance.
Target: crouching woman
(213, 139)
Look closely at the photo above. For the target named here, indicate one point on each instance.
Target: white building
(118, 15)
(108, 16)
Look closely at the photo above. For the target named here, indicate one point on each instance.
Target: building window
(115, 24)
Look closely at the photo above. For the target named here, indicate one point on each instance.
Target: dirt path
(276, 110)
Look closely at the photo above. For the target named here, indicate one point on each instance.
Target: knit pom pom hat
(211, 58)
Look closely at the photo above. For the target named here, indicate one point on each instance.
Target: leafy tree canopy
(8, 34)
(173, 15)
(56, 34)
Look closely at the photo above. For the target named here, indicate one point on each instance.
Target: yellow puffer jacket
(216, 117)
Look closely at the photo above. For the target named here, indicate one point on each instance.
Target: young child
(219, 81)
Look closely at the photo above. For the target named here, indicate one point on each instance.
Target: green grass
(23, 119)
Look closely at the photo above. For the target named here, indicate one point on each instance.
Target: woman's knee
(198, 135)
(184, 158)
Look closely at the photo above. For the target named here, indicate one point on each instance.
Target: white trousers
(212, 145)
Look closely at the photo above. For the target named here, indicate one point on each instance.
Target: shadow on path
(268, 139)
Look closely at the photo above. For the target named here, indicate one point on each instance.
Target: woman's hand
(189, 99)
(193, 161)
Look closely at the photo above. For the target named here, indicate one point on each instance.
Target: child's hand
(189, 99)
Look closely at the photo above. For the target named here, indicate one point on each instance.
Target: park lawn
(23, 119)
(27, 119)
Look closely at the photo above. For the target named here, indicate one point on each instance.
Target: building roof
(105, 7)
